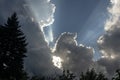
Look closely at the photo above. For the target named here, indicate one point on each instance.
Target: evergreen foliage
(12, 50)
(117, 75)
(67, 75)
(92, 75)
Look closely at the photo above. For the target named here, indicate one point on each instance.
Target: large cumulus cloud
(39, 60)
(109, 43)
(75, 57)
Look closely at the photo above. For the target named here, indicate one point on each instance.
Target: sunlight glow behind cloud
(49, 37)
(76, 57)
(43, 12)
(57, 62)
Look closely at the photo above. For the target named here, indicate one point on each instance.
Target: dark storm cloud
(75, 57)
(39, 60)
(109, 43)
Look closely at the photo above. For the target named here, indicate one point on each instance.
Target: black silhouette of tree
(101, 76)
(38, 78)
(12, 50)
(67, 75)
(92, 75)
(117, 75)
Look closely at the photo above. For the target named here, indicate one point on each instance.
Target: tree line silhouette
(13, 51)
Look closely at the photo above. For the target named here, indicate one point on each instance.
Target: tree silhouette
(101, 76)
(67, 75)
(37, 78)
(12, 50)
(117, 75)
(92, 75)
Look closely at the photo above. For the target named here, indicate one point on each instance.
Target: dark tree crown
(12, 49)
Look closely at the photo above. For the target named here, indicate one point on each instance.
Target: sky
(69, 34)
(78, 14)
(86, 18)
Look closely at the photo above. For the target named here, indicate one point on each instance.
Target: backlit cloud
(42, 10)
(75, 57)
(109, 43)
(39, 58)
(34, 15)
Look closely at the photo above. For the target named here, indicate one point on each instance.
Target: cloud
(39, 58)
(42, 10)
(75, 57)
(109, 43)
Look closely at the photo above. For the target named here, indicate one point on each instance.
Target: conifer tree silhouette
(12, 50)
(92, 75)
(67, 75)
(117, 75)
